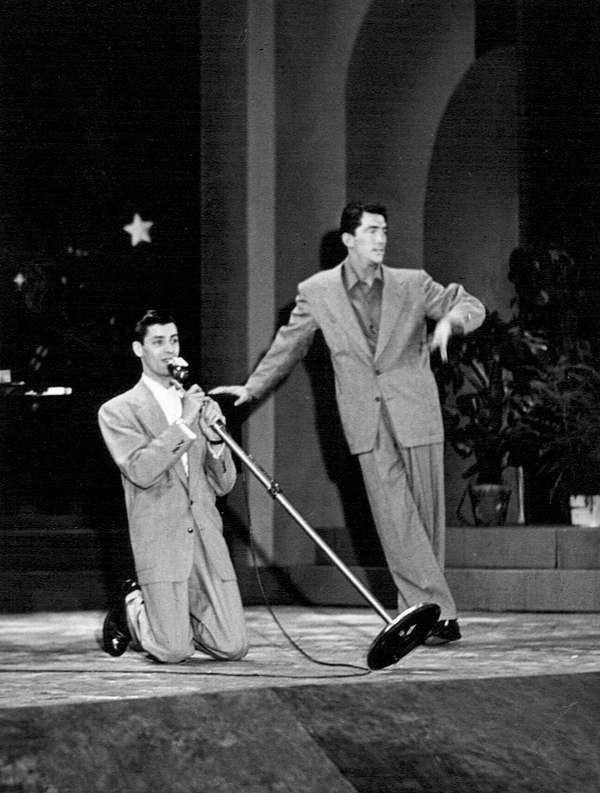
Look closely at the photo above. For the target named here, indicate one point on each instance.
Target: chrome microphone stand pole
(402, 634)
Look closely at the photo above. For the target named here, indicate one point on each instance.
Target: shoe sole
(109, 639)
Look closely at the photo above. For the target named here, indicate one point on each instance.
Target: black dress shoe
(115, 631)
(443, 632)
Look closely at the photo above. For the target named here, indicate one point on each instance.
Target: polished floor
(53, 658)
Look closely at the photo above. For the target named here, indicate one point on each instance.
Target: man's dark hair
(353, 212)
(151, 317)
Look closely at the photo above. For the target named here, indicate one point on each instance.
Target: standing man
(173, 466)
(373, 318)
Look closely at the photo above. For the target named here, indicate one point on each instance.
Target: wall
(405, 67)
(472, 207)
(382, 100)
(223, 247)
(561, 88)
(304, 92)
(314, 43)
(359, 92)
(471, 222)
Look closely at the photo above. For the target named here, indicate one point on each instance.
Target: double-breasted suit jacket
(398, 374)
(163, 502)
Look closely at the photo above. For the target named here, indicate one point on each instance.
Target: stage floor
(53, 658)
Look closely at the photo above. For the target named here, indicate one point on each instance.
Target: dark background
(99, 119)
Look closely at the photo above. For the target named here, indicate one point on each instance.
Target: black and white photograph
(299, 396)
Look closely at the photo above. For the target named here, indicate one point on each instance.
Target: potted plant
(484, 390)
(549, 293)
(565, 417)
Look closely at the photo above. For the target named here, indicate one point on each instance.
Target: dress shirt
(366, 301)
(169, 400)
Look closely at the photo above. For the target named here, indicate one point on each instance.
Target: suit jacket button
(377, 371)
(190, 530)
(377, 399)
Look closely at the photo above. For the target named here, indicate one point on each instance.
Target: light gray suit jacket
(162, 501)
(399, 374)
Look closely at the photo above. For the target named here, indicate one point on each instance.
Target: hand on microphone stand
(199, 408)
(210, 415)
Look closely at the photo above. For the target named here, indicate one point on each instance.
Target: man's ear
(137, 349)
(348, 239)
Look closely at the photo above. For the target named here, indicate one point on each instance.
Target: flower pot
(585, 511)
(489, 504)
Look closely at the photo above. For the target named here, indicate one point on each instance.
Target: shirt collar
(351, 277)
(158, 389)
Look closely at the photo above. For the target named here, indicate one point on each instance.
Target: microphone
(179, 369)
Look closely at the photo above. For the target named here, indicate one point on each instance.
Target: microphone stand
(400, 635)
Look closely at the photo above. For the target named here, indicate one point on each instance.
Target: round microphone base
(400, 637)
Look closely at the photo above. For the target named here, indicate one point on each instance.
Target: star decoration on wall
(139, 229)
(19, 280)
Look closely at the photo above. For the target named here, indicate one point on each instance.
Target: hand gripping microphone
(400, 635)
(179, 369)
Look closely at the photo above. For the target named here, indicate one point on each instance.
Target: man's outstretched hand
(239, 391)
(441, 334)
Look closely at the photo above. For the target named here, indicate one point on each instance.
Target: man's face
(160, 345)
(366, 246)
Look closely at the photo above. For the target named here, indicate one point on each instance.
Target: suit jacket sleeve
(220, 472)
(453, 302)
(289, 346)
(141, 457)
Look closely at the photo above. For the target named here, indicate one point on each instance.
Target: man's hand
(441, 334)
(211, 413)
(192, 403)
(239, 391)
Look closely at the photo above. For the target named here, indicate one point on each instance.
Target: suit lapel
(153, 417)
(149, 409)
(392, 305)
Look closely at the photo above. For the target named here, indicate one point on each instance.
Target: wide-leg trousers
(170, 620)
(405, 487)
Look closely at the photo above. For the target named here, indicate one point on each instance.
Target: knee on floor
(234, 649)
(225, 648)
(173, 655)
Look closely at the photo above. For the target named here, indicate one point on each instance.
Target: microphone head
(179, 369)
